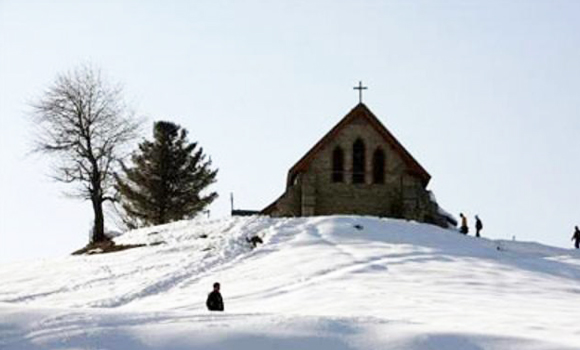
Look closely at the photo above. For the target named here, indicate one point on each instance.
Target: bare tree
(84, 124)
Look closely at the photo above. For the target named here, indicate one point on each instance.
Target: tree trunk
(99, 224)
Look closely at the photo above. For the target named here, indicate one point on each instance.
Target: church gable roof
(361, 111)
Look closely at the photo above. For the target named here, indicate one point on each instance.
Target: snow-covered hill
(340, 282)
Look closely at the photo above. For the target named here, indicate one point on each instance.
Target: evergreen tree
(167, 178)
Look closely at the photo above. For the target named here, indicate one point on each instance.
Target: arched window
(358, 162)
(337, 165)
(379, 166)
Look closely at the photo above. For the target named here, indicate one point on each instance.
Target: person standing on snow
(576, 237)
(478, 226)
(214, 299)
(463, 229)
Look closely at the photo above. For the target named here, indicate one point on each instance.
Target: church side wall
(290, 203)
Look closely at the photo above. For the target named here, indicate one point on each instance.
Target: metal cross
(360, 88)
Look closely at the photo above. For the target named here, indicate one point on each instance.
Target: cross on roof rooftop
(360, 88)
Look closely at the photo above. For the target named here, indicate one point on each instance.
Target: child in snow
(463, 229)
(478, 226)
(576, 237)
(214, 299)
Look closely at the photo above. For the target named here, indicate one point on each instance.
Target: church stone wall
(366, 198)
(401, 195)
(290, 204)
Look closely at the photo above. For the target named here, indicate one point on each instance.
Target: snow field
(315, 283)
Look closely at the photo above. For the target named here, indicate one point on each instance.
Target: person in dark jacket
(463, 228)
(214, 299)
(576, 237)
(478, 226)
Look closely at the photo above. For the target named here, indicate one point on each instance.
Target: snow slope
(340, 282)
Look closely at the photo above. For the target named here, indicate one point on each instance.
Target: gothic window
(358, 162)
(379, 166)
(337, 165)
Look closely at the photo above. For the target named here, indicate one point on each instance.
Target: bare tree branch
(83, 124)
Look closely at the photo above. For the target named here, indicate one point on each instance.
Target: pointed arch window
(379, 166)
(337, 165)
(358, 162)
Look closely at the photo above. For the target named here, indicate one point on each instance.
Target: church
(359, 168)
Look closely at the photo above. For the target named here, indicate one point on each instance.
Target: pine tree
(167, 178)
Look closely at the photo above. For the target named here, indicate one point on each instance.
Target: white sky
(485, 95)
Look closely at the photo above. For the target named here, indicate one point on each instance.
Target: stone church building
(360, 168)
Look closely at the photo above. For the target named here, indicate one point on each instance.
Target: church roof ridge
(360, 109)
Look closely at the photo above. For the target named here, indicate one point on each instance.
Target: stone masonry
(311, 189)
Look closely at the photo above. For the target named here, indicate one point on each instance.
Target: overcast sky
(485, 95)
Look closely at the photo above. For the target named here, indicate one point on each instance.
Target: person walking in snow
(214, 299)
(576, 237)
(478, 226)
(463, 229)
